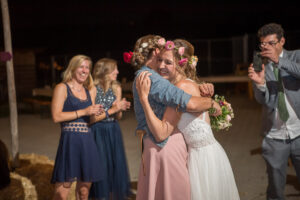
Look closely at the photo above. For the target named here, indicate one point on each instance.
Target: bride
(211, 176)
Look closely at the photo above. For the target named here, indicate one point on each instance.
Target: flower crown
(180, 50)
(127, 56)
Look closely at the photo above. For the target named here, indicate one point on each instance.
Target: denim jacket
(162, 94)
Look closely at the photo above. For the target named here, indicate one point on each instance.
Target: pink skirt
(166, 174)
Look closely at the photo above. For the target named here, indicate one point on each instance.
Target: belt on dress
(140, 134)
(82, 127)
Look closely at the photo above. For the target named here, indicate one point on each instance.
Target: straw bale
(19, 188)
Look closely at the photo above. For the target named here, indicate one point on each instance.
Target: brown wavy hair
(143, 53)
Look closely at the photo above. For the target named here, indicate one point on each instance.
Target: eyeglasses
(271, 43)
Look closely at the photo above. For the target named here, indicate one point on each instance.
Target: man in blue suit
(277, 88)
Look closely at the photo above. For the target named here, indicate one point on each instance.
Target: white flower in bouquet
(228, 118)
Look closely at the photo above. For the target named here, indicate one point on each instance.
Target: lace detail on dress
(197, 132)
(81, 127)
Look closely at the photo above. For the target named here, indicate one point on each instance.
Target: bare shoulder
(189, 87)
(93, 90)
(60, 90)
(60, 87)
(185, 84)
(118, 87)
(118, 91)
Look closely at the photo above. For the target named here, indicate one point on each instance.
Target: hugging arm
(160, 129)
(170, 95)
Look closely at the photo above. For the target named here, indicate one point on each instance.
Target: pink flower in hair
(181, 51)
(183, 61)
(161, 41)
(169, 45)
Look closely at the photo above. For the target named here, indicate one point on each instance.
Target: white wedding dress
(211, 176)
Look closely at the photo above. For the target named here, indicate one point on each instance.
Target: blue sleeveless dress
(77, 157)
(108, 137)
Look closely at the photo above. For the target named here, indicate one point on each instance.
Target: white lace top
(196, 131)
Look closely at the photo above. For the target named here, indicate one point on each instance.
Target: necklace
(77, 90)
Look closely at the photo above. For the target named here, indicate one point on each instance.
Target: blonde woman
(76, 158)
(108, 135)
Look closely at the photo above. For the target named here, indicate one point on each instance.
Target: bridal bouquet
(222, 121)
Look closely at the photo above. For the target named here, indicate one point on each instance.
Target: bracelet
(76, 114)
(106, 113)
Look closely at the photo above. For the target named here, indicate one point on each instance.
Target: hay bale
(40, 175)
(35, 158)
(39, 168)
(19, 188)
(31, 180)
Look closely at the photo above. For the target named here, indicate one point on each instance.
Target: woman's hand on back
(143, 85)
(206, 89)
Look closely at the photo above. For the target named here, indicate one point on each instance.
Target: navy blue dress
(108, 137)
(77, 157)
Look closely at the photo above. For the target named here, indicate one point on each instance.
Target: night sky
(98, 25)
(108, 28)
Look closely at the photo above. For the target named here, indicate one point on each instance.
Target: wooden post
(11, 85)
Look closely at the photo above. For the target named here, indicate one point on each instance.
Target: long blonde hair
(74, 63)
(102, 69)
